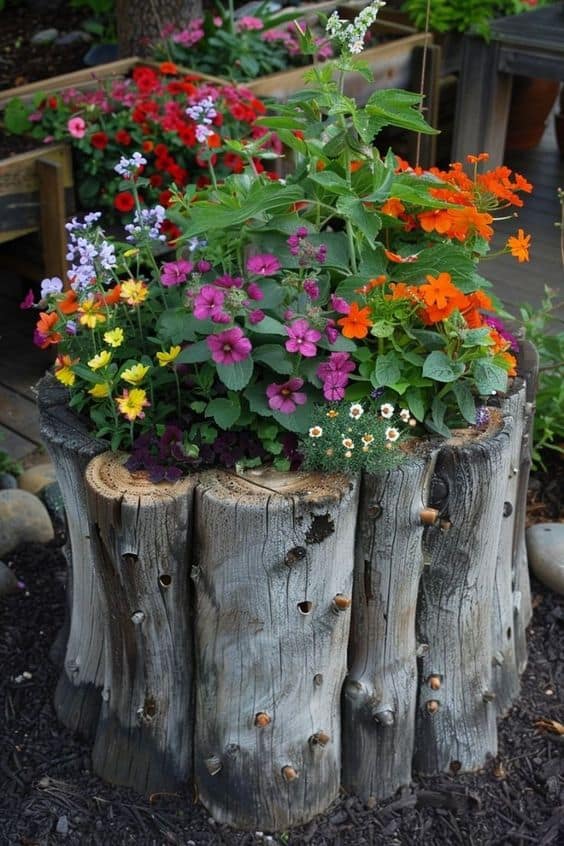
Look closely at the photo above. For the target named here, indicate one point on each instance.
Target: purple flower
(175, 272)
(71, 327)
(302, 338)
(286, 397)
(28, 301)
(334, 386)
(51, 286)
(321, 254)
(263, 265)
(207, 305)
(203, 266)
(482, 417)
(499, 326)
(331, 331)
(338, 362)
(254, 292)
(256, 316)
(229, 347)
(227, 281)
(339, 305)
(311, 288)
(377, 393)
(294, 240)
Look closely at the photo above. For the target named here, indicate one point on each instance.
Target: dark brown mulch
(22, 62)
(46, 779)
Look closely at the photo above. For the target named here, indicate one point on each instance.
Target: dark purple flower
(287, 396)
(321, 254)
(377, 393)
(482, 417)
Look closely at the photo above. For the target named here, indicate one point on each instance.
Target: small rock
(62, 826)
(8, 580)
(100, 54)
(37, 478)
(23, 519)
(7, 481)
(69, 39)
(45, 36)
(545, 548)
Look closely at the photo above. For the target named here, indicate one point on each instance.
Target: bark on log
(506, 680)
(273, 583)
(523, 611)
(142, 532)
(381, 688)
(455, 722)
(138, 24)
(71, 447)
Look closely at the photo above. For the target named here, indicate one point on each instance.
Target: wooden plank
(20, 415)
(14, 445)
(52, 218)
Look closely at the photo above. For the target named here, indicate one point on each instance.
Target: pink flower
(230, 346)
(311, 288)
(302, 338)
(249, 22)
(334, 386)
(256, 316)
(175, 272)
(286, 397)
(263, 265)
(28, 301)
(76, 127)
(331, 332)
(208, 303)
(254, 292)
(228, 281)
(334, 374)
(339, 305)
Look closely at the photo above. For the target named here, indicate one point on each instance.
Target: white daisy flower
(315, 432)
(392, 434)
(387, 410)
(348, 443)
(405, 414)
(356, 410)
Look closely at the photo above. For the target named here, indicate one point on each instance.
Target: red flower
(52, 102)
(164, 198)
(123, 137)
(124, 201)
(233, 162)
(99, 140)
(156, 180)
(145, 79)
(148, 146)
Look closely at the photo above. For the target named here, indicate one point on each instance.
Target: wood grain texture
(455, 721)
(381, 689)
(71, 447)
(142, 534)
(274, 564)
(505, 674)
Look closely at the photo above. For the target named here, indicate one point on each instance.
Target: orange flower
(371, 284)
(320, 165)
(355, 165)
(69, 304)
(441, 298)
(481, 157)
(45, 334)
(356, 323)
(112, 297)
(213, 140)
(168, 68)
(401, 291)
(436, 220)
(393, 207)
(395, 257)
(519, 245)
(510, 362)
(500, 344)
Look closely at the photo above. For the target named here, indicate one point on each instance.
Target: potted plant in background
(327, 317)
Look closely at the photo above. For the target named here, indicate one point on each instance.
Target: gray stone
(37, 477)
(545, 548)
(23, 519)
(62, 826)
(45, 36)
(69, 39)
(100, 54)
(7, 481)
(8, 580)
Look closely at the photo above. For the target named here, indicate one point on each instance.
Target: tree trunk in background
(140, 23)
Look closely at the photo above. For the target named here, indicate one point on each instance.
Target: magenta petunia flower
(208, 305)
(227, 281)
(230, 346)
(338, 362)
(331, 332)
(302, 338)
(311, 288)
(254, 292)
(76, 127)
(256, 316)
(286, 397)
(175, 272)
(334, 386)
(28, 300)
(339, 304)
(263, 265)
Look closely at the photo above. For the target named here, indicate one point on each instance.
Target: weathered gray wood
(455, 722)
(381, 688)
(142, 533)
(273, 580)
(523, 609)
(71, 447)
(505, 674)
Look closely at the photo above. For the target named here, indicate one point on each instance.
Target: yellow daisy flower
(169, 357)
(134, 292)
(90, 314)
(63, 370)
(100, 390)
(101, 360)
(114, 338)
(134, 375)
(132, 403)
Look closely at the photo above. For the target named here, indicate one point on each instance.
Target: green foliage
(468, 16)
(544, 328)
(102, 24)
(8, 464)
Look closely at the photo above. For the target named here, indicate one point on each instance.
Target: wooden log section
(455, 725)
(505, 672)
(71, 447)
(142, 533)
(381, 688)
(273, 581)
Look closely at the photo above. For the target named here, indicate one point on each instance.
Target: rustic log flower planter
(210, 619)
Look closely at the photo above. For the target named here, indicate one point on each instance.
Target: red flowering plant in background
(327, 314)
(177, 121)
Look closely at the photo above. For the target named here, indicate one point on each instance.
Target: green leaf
(225, 412)
(274, 356)
(428, 339)
(369, 222)
(236, 376)
(416, 403)
(465, 401)
(331, 182)
(440, 368)
(15, 117)
(441, 258)
(387, 370)
(477, 337)
(87, 374)
(357, 391)
(382, 329)
(489, 377)
(398, 108)
(438, 410)
(257, 399)
(195, 352)
(268, 326)
(342, 344)
(173, 326)
(298, 421)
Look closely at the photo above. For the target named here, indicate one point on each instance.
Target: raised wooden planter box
(212, 621)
